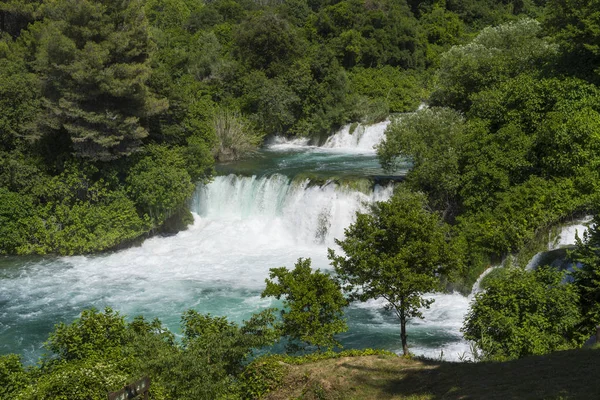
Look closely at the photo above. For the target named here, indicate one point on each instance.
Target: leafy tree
(95, 61)
(586, 277)
(213, 352)
(19, 99)
(266, 39)
(92, 333)
(523, 313)
(313, 305)
(397, 252)
(159, 183)
(432, 139)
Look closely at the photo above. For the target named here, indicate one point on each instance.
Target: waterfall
(302, 212)
(363, 138)
(352, 138)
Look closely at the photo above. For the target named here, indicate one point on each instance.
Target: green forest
(112, 111)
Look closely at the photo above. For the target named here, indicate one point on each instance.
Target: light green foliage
(313, 305)
(441, 28)
(586, 275)
(523, 313)
(397, 252)
(100, 352)
(15, 213)
(94, 333)
(95, 61)
(432, 139)
(496, 54)
(519, 212)
(159, 183)
(87, 379)
(13, 376)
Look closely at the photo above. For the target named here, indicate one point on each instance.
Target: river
(261, 213)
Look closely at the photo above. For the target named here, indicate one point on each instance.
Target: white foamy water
(282, 144)
(363, 139)
(566, 237)
(438, 333)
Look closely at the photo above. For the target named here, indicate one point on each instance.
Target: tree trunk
(403, 332)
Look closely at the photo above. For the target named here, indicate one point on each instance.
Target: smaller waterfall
(363, 138)
(477, 285)
(304, 212)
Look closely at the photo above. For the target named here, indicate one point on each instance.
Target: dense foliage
(111, 111)
(94, 93)
(523, 313)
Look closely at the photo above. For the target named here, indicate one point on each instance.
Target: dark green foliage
(94, 58)
(586, 277)
(313, 305)
(397, 252)
(19, 99)
(266, 39)
(523, 313)
(575, 26)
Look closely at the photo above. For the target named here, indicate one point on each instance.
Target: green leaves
(432, 139)
(313, 305)
(94, 333)
(523, 313)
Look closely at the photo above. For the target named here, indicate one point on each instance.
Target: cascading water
(362, 138)
(244, 225)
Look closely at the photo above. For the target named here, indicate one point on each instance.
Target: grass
(572, 374)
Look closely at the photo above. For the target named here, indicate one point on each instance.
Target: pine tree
(94, 58)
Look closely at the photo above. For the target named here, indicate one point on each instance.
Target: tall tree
(397, 252)
(94, 58)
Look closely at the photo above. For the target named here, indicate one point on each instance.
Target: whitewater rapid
(243, 226)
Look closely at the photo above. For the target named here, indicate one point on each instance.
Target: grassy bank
(562, 375)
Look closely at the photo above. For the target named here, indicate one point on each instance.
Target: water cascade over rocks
(244, 224)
